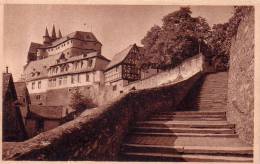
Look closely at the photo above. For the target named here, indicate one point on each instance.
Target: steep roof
(119, 57)
(33, 47)
(46, 112)
(20, 87)
(8, 82)
(40, 66)
(81, 35)
(21, 90)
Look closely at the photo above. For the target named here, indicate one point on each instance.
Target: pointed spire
(46, 32)
(53, 34)
(59, 36)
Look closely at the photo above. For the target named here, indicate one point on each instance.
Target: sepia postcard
(148, 81)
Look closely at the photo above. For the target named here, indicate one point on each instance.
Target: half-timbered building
(124, 67)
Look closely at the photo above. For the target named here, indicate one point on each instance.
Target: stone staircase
(198, 131)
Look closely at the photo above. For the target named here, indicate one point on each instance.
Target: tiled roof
(21, 90)
(119, 57)
(39, 67)
(47, 112)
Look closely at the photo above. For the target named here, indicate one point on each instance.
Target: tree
(177, 39)
(79, 102)
(221, 37)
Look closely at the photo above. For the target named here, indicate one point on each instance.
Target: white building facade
(61, 62)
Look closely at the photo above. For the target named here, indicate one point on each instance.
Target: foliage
(79, 103)
(177, 39)
(182, 36)
(221, 37)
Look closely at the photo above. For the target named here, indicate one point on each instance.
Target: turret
(59, 36)
(46, 37)
(53, 34)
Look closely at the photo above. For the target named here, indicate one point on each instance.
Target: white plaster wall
(44, 86)
(61, 48)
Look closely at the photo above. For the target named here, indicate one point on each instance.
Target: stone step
(184, 134)
(185, 124)
(184, 130)
(187, 116)
(194, 112)
(182, 157)
(128, 147)
(187, 119)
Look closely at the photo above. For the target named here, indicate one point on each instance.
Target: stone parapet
(98, 133)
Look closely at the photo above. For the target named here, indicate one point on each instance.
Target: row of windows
(60, 81)
(65, 67)
(66, 43)
(112, 71)
(63, 80)
(113, 77)
(38, 85)
(58, 47)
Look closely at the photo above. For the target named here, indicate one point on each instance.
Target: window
(33, 85)
(65, 80)
(49, 82)
(87, 77)
(90, 63)
(114, 87)
(78, 78)
(60, 81)
(72, 79)
(54, 82)
(39, 84)
(81, 64)
(38, 97)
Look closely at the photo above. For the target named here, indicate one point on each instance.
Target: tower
(46, 37)
(53, 34)
(59, 35)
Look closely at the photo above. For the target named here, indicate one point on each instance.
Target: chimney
(6, 69)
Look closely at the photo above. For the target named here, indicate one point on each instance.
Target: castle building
(62, 62)
(123, 67)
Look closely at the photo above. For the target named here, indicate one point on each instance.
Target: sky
(115, 26)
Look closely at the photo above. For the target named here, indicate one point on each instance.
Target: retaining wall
(241, 80)
(97, 134)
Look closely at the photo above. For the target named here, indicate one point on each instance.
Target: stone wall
(97, 133)
(185, 70)
(241, 80)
